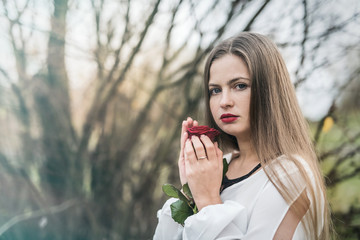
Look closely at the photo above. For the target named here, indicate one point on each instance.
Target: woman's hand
(188, 123)
(203, 169)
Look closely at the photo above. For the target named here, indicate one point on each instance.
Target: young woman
(273, 188)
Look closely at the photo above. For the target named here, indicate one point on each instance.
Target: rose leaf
(172, 191)
(187, 191)
(180, 211)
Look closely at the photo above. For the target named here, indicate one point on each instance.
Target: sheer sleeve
(167, 228)
(269, 212)
(229, 218)
(228, 221)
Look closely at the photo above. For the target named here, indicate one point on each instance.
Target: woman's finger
(190, 156)
(184, 127)
(190, 122)
(209, 146)
(183, 137)
(199, 148)
(219, 153)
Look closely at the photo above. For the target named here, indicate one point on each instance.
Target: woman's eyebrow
(231, 81)
(237, 79)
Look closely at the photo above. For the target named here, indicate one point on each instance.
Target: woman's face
(229, 88)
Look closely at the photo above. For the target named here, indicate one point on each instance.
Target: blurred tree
(339, 154)
(95, 171)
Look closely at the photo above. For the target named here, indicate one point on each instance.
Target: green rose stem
(185, 206)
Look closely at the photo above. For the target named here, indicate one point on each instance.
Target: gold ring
(200, 158)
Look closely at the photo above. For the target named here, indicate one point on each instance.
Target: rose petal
(203, 130)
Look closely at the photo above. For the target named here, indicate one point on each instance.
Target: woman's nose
(226, 100)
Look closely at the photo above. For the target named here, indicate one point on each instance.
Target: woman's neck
(246, 148)
(243, 162)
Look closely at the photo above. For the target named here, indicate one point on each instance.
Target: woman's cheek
(212, 108)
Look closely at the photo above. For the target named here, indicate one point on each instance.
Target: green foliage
(172, 191)
(225, 167)
(338, 150)
(187, 191)
(182, 208)
(180, 211)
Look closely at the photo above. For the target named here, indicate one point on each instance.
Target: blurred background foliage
(93, 93)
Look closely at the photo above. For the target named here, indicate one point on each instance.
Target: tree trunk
(53, 107)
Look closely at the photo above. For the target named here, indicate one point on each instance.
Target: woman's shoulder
(289, 165)
(290, 172)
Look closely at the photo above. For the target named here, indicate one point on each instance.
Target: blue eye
(214, 91)
(241, 86)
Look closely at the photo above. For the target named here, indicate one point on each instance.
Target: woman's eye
(241, 86)
(214, 91)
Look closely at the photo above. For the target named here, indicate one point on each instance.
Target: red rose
(203, 130)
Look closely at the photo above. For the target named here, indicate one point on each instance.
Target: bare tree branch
(99, 50)
(99, 105)
(333, 105)
(303, 42)
(117, 52)
(333, 176)
(329, 31)
(336, 150)
(34, 214)
(252, 20)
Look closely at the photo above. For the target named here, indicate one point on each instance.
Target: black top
(228, 182)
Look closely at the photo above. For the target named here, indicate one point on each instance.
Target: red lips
(228, 118)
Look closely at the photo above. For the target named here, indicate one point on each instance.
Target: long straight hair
(277, 126)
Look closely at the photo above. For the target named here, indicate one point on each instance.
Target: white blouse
(252, 209)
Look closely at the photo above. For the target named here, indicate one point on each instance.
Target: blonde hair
(277, 125)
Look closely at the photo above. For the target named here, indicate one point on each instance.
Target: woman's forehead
(227, 68)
